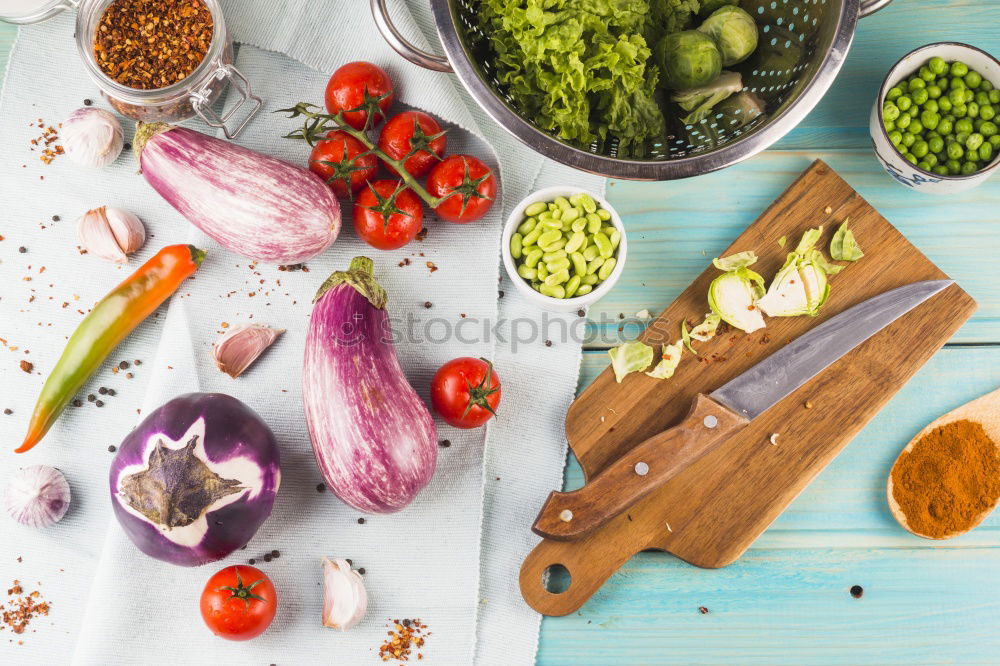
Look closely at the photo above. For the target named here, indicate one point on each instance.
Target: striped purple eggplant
(252, 204)
(372, 435)
(194, 480)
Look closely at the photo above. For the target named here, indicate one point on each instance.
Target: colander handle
(869, 7)
(402, 46)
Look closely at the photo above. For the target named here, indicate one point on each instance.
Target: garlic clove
(92, 137)
(110, 233)
(241, 345)
(37, 496)
(345, 600)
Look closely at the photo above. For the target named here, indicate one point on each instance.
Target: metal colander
(802, 46)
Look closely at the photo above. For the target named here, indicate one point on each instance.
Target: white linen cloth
(430, 560)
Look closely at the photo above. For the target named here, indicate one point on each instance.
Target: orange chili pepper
(111, 320)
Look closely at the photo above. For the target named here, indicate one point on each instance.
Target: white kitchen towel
(423, 561)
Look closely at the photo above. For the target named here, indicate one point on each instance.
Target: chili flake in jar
(152, 44)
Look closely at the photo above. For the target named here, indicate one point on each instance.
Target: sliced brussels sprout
(734, 295)
(843, 247)
(669, 359)
(703, 332)
(801, 286)
(735, 261)
(700, 101)
(630, 357)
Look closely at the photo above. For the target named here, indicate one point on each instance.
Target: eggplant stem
(360, 275)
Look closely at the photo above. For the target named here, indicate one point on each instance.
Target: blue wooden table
(787, 600)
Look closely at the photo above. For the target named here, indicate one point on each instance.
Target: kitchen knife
(717, 416)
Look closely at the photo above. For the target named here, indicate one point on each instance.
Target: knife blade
(727, 410)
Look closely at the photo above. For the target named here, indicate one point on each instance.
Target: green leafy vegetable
(687, 59)
(801, 286)
(782, 241)
(700, 101)
(843, 247)
(669, 359)
(667, 16)
(709, 6)
(735, 261)
(630, 357)
(734, 33)
(703, 332)
(733, 295)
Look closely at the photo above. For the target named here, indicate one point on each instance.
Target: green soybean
(532, 237)
(603, 214)
(541, 272)
(576, 241)
(557, 265)
(515, 246)
(584, 290)
(562, 202)
(549, 238)
(527, 225)
(615, 237)
(595, 264)
(532, 257)
(606, 268)
(589, 279)
(593, 223)
(552, 256)
(526, 272)
(603, 244)
(579, 224)
(590, 252)
(535, 208)
(579, 264)
(572, 285)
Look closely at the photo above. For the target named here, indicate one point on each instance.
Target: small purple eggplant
(196, 479)
(374, 439)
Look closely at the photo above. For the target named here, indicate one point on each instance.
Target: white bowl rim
(882, 91)
(550, 193)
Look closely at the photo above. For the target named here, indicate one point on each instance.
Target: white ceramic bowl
(561, 304)
(894, 164)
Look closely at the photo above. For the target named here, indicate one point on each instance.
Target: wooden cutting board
(711, 513)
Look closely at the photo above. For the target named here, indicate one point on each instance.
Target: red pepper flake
(422, 234)
(21, 608)
(26, 366)
(403, 637)
(430, 265)
(702, 610)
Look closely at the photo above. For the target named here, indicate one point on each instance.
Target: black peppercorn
(444, 443)
(111, 392)
(267, 557)
(22, 249)
(275, 554)
(857, 591)
(320, 487)
(102, 391)
(8, 411)
(252, 561)
(91, 398)
(123, 365)
(361, 571)
(99, 403)
(87, 102)
(361, 521)
(55, 218)
(112, 448)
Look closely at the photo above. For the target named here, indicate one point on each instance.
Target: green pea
(982, 98)
(995, 140)
(987, 112)
(895, 137)
(954, 167)
(937, 65)
(973, 79)
(944, 105)
(959, 68)
(515, 246)
(932, 105)
(579, 264)
(942, 83)
(911, 159)
(909, 139)
(974, 141)
(572, 285)
(924, 164)
(553, 291)
(915, 127)
(945, 126)
(988, 129)
(969, 168)
(585, 200)
(532, 257)
(931, 159)
(940, 170)
(962, 137)
(603, 244)
(589, 279)
(972, 109)
(527, 272)
(904, 103)
(532, 237)
(916, 84)
(606, 269)
(930, 119)
(535, 209)
(936, 144)
(995, 96)
(925, 73)
(920, 149)
(986, 85)
(584, 289)
(591, 252)
(986, 152)
(959, 110)
(969, 95)
(977, 123)
(963, 125)
(893, 93)
(595, 264)
(955, 151)
(933, 91)
(956, 96)
(541, 272)
(913, 111)
(919, 96)
(562, 202)
(890, 111)
(904, 121)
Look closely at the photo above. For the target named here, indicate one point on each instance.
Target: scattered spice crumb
(428, 305)
(26, 366)
(548, 343)
(78, 403)
(361, 521)
(8, 411)
(773, 439)
(580, 313)
(124, 365)
(320, 487)
(444, 443)
(21, 608)
(808, 404)
(857, 591)
(112, 448)
(702, 610)
(430, 265)
(828, 210)
(22, 249)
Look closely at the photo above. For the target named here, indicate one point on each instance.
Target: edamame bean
(579, 224)
(595, 264)
(606, 269)
(535, 208)
(593, 223)
(526, 272)
(541, 272)
(589, 279)
(558, 265)
(590, 252)
(571, 214)
(515, 246)
(584, 200)
(557, 291)
(532, 257)
(549, 238)
(562, 202)
(527, 225)
(579, 264)
(615, 237)
(552, 256)
(550, 224)
(584, 290)
(603, 244)
(558, 245)
(576, 241)
(572, 285)
(557, 278)
(603, 214)
(532, 237)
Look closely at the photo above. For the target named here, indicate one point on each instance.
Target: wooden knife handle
(568, 516)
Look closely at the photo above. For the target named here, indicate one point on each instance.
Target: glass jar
(194, 95)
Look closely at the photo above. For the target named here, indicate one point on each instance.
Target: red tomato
(238, 603)
(387, 214)
(416, 134)
(465, 392)
(469, 185)
(341, 161)
(360, 90)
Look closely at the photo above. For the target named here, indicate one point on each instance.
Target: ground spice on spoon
(948, 479)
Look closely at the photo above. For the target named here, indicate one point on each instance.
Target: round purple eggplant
(373, 437)
(196, 479)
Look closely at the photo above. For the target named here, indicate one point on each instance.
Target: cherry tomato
(238, 603)
(340, 160)
(469, 182)
(387, 214)
(416, 134)
(465, 392)
(360, 89)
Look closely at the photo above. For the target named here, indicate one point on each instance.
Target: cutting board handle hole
(556, 578)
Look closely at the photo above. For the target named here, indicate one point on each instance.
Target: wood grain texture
(710, 514)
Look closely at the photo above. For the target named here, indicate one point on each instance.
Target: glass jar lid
(33, 11)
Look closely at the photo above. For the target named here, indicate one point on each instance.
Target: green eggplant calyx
(360, 276)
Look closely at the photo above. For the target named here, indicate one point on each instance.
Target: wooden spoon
(984, 410)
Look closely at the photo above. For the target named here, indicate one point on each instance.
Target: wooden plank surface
(787, 599)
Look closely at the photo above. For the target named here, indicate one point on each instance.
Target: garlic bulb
(37, 496)
(345, 600)
(92, 137)
(110, 233)
(241, 345)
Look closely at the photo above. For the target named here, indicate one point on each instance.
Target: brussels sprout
(709, 6)
(734, 294)
(687, 60)
(734, 33)
(699, 101)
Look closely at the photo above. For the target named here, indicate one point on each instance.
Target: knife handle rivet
(641, 468)
(711, 421)
(565, 515)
